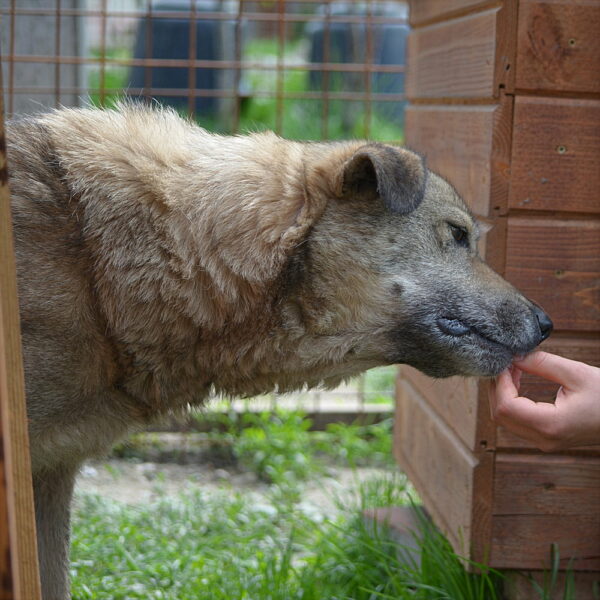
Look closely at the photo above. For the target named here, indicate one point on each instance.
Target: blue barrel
(169, 38)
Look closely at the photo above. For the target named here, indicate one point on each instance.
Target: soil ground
(136, 483)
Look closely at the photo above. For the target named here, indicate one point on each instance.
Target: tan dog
(158, 262)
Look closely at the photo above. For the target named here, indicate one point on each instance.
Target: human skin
(573, 420)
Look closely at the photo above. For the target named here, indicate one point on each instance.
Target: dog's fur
(158, 262)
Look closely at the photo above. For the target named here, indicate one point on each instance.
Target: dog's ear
(394, 175)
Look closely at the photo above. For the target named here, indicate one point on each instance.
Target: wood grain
(426, 11)
(556, 262)
(436, 463)
(454, 59)
(22, 552)
(454, 400)
(559, 46)
(450, 480)
(533, 484)
(556, 154)
(525, 541)
(469, 146)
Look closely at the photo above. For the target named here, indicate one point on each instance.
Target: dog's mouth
(455, 328)
(446, 343)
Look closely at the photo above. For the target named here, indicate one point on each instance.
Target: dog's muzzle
(537, 328)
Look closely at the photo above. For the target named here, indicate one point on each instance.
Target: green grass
(227, 546)
(224, 547)
(271, 546)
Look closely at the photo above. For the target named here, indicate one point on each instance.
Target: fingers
(533, 421)
(536, 422)
(516, 376)
(550, 366)
(501, 389)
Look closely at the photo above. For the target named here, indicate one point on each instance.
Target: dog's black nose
(546, 325)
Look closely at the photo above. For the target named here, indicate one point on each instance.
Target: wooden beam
(466, 59)
(19, 576)
(424, 12)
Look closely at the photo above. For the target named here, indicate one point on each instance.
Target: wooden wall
(505, 104)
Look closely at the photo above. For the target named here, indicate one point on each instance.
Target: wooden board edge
(468, 467)
(501, 156)
(486, 90)
(13, 416)
(446, 14)
(506, 48)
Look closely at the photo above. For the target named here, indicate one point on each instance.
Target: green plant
(549, 585)
(280, 447)
(200, 546)
(276, 446)
(357, 445)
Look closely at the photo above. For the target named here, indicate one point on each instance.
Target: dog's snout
(545, 323)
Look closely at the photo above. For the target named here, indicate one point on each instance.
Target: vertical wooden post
(19, 576)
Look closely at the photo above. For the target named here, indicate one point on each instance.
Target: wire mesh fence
(307, 69)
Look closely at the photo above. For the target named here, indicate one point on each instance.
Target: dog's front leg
(52, 493)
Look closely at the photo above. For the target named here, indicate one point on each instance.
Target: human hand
(574, 418)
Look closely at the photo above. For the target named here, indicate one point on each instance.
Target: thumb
(550, 366)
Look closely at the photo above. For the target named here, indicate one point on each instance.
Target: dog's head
(390, 271)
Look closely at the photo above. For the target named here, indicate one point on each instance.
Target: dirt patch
(136, 483)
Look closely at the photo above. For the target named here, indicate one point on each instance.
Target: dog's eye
(460, 235)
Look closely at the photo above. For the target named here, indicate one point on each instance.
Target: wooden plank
(454, 484)
(559, 46)
(556, 263)
(555, 154)
(20, 558)
(533, 484)
(525, 541)
(506, 49)
(439, 467)
(427, 11)
(536, 388)
(454, 59)
(454, 400)
(468, 58)
(6, 579)
(470, 146)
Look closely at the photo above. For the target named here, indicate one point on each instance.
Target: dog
(158, 263)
